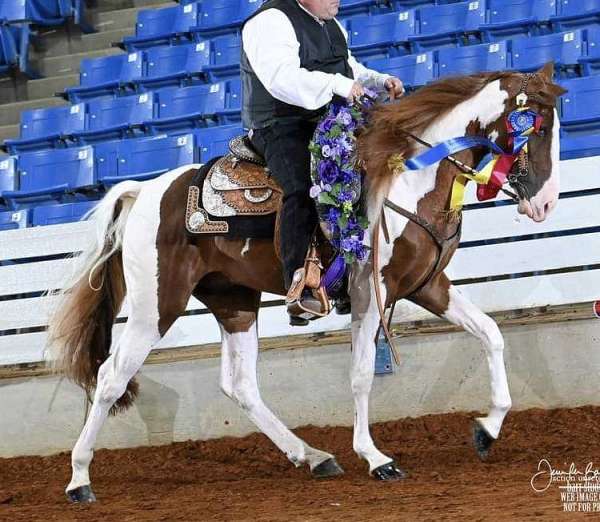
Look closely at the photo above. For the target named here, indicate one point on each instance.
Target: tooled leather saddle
(230, 189)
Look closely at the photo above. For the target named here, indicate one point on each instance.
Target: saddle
(229, 190)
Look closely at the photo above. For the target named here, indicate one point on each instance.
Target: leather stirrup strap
(380, 305)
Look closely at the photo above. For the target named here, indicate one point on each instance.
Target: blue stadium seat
(116, 118)
(580, 117)
(590, 62)
(8, 177)
(186, 108)
(13, 219)
(378, 36)
(14, 36)
(107, 75)
(49, 174)
(174, 65)
(473, 59)
(46, 12)
(160, 26)
(106, 159)
(415, 70)
(576, 13)
(564, 49)
(223, 16)
(42, 128)
(146, 158)
(518, 17)
(55, 214)
(225, 62)
(231, 113)
(353, 7)
(442, 25)
(214, 141)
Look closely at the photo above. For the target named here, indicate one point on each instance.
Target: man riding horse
(295, 60)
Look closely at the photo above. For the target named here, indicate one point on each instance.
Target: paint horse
(142, 250)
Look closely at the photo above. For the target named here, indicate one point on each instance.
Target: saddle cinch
(236, 196)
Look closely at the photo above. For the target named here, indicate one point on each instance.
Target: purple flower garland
(337, 181)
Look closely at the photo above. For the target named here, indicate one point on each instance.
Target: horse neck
(409, 188)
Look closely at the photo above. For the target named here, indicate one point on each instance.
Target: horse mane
(384, 136)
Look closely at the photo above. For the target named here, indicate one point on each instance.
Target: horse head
(534, 176)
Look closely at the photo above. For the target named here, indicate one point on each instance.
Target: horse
(141, 250)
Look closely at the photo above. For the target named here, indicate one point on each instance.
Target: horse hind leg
(237, 320)
(443, 299)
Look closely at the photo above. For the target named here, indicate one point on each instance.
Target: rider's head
(322, 9)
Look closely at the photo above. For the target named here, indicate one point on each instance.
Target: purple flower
(328, 171)
(344, 117)
(326, 151)
(326, 124)
(315, 190)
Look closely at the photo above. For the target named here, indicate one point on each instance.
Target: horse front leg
(365, 323)
(445, 300)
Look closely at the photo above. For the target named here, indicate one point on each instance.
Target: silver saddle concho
(238, 184)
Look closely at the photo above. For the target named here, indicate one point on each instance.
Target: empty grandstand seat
(46, 127)
(352, 7)
(518, 17)
(174, 65)
(449, 24)
(576, 13)
(580, 117)
(108, 75)
(146, 158)
(13, 219)
(214, 141)
(51, 173)
(455, 61)
(590, 62)
(8, 176)
(56, 214)
(379, 35)
(110, 118)
(187, 107)
(223, 16)
(225, 61)
(231, 113)
(415, 69)
(156, 26)
(564, 49)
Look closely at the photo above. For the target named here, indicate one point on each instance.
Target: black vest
(322, 48)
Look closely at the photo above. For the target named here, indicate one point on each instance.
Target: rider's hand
(394, 87)
(356, 93)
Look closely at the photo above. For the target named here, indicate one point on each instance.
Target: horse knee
(491, 335)
(361, 381)
(245, 393)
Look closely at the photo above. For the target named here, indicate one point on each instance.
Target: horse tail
(80, 329)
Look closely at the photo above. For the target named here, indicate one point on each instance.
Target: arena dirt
(249, 479)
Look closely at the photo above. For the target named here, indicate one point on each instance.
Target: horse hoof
(482, 441)
(327, 469)
(81, 495)
(388, 472)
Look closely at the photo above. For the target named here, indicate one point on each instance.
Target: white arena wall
(538, 279)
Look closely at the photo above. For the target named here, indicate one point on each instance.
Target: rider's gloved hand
(356, 93)
(394, 87)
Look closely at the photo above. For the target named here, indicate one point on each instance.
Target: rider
(295, 60)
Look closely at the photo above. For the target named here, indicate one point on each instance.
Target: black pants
(285, 149)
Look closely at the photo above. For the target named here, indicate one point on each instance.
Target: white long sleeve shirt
(272, 49)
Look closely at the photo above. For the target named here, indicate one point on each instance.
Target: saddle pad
(235, 187)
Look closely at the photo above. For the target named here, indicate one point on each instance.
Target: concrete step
(68, 64)
(8, 131)
(98, 6)
(47, 87)
(52, 44)
(10, 113)
(112, 20)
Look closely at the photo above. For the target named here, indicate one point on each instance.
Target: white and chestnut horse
(142, 250)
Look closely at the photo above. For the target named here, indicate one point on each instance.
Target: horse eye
(542, 132)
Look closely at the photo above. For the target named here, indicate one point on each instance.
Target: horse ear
(557, 90)
(547, 71)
